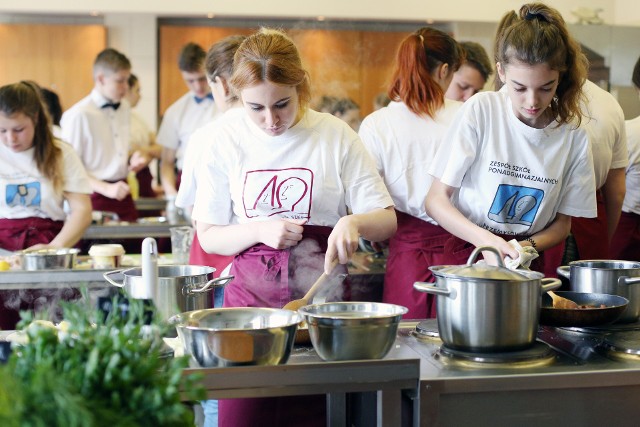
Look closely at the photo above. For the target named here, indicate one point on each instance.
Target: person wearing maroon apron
(403, 138)
(515, 165)
(625, 244)
(98, 128)
(142, 139)
(275, 189)
(39, 173)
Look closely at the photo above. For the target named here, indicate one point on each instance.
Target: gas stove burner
(539, 354)
(622, 345)
(428, 330)
(616, 327)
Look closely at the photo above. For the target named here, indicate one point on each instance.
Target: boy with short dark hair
(98, 128)
(193, 110)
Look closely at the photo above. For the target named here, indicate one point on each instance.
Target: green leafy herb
(101, 372)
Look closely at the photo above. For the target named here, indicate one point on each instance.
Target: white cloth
(604, 121)
(140, 132)
(198, 149)
(315, 170)
(403, 145)
(632, 197)
(525, 256)
(25, 193)
(100, 136)
(513, 179)
(181, 119)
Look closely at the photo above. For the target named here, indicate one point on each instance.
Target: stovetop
(560, 351)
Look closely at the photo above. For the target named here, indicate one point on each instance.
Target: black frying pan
(614, 306)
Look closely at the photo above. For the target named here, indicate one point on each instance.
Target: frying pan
(614, 306)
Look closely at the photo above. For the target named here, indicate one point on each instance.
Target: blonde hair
(270, 56)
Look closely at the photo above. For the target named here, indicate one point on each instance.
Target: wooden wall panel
(59, 57)
(349, 63)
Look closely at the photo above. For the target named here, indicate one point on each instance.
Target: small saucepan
(606, 309)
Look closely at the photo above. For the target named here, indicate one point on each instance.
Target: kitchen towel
(526, 254)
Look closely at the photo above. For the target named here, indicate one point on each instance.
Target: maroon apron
(591, 234)
(416, 246)
(145, 183)
(625, 244)
(125, 208)
(198, 256)
(267, 277)
(18, 234)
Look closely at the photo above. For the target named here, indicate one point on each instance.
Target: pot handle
(624, 280)
(110, 273)
(215, 283)
(430, 289)
(550, 284)
(564, 271)
(476, 252)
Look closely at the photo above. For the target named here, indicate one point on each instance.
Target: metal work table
(130, 231)
(383, 387)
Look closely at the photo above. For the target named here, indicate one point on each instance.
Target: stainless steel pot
(483, 308)
(180, 288)
(607, 277)
(48, 259)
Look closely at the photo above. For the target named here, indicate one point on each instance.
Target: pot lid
(481, 270)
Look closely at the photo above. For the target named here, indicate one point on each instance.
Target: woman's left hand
(343, 242)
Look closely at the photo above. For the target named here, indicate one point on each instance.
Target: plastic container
(106, 255)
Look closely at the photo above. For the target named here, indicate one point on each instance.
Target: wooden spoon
(324, 277)
(562, 303)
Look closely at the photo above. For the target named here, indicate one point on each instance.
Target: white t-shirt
(195, 155)
(181, 119)
(403, 145)
(604, 121)
(315, 170)
(25, 193)
(100, 136)
(512, 179)
(632, 197)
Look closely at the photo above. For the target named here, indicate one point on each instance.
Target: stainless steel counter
(130, 231)
(382, 387)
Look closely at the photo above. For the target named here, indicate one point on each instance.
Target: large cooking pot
(484, 308)
(181, 288)
(607, 277)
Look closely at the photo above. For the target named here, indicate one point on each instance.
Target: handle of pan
(550, 284)
(625, 280)
(215, 283)
(564, 271)
(111, 273)
(479, 249)
(431, 289)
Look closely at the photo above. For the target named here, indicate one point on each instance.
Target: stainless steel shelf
(130, 231)
(150, 204)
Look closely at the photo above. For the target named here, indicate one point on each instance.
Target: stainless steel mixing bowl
(352, 330)
(49, 259)
(236, 336)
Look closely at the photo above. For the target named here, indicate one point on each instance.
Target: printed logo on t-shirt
(23, 194)
(283, 192)
(516, 205)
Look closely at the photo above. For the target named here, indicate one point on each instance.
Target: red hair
(419, 56)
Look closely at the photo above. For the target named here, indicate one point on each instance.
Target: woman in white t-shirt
(625, 243)
(37, 174)
(279, 181)
(516, 164)
(403, 138)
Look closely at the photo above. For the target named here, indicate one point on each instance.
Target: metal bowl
(49, 259)
(235, 336)
(352, 330)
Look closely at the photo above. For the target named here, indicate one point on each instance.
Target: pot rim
(593, 264)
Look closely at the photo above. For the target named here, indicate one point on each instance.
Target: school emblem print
(283, 192)
(516, 205)
(23, 194)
